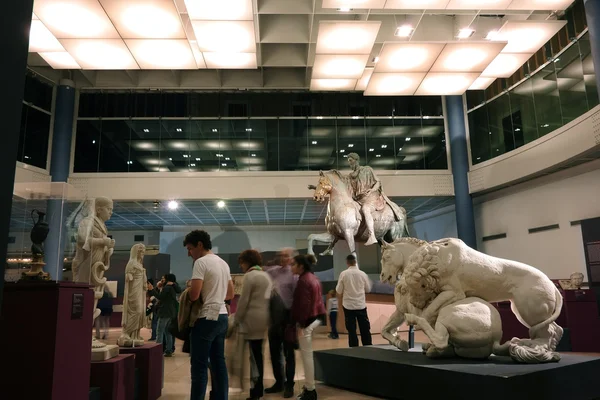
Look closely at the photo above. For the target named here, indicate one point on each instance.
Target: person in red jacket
(308, 311)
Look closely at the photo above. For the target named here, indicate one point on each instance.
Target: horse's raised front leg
(396, 319)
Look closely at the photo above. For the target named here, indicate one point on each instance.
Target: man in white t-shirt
(211, 283)
(352, 285)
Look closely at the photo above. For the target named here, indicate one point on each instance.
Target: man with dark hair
(352, 286)
(211, 279)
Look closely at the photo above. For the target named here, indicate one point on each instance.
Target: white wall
(559, 252)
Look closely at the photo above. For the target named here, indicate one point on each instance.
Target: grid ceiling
(142, 215)
(286, 35)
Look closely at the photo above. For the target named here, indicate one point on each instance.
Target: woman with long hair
(307, 312)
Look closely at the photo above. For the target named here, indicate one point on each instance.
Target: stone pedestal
(46, 331)
(105, 353)
(114, 377)
(149, 360)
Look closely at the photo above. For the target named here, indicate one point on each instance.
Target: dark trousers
(351, 316)
(154, 325)
(277, 344)
(208, 343)
(333, 323)
(257, 368)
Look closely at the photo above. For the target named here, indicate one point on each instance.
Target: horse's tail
(556, 330)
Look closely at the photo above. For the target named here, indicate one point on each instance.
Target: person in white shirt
(211, 283)
(352, 286)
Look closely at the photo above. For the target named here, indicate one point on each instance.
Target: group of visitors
(281, 299)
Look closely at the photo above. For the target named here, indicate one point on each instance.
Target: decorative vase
(38, 235)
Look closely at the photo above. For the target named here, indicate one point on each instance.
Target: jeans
(276, 345)
(333, 323)
(208, 343)
(351, 316)
(162, 333)
(154, 325)
(306, 350)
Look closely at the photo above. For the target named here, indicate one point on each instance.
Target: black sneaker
(288, 391)
(307, 394)
(276, 388)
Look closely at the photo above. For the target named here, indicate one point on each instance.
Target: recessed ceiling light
(350, 145)
(344, 9)
(93, 142)
(178, 129)
(130, 162)
(408, 139)
(220, 204)
(215, 130)
(400, 149)
(384, 146)
(378, 155)
(192, 165)
(314, 142)
(185, 156)
(146, 130)
(170, 159)
(518, 130)
(197, 158)
(355, 117)
(224, 164)
(227, 158)
(371, 149)
(253, 155)
(404, 31)
(173, 205)
(342, 151)
(248, 129)
(219, 155)
(319, 117)
(465, 33)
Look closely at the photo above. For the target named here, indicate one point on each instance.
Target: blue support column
(64, 108)
(457, 133)
(15, 23)
(592, 14)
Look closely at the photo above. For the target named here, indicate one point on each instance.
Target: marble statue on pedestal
(134, 300)
(92, 258)
(441, 278)
(358, 210)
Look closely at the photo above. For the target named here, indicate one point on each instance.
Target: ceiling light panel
(81, 19)
(527, 36)
(332, 84)
(231, 60)
(220, 10)
(162, 53)
(478, 4)
(416, 4)
(339, 66)
(100, 53)
(364, 79)
(347, 37)
(550, 5)
(408, 57)
(394, 84)
(60, 60)
(41, 39)
(481, 83)
(142, 19)
(360, 4)
(446, 84)
(225, 36)
(504, 65)
(467, 56)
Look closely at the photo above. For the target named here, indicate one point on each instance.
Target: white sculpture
(448, 271)
(326, 238)
(92, 258)
(134, 300)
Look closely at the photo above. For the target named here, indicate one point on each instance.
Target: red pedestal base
(114, 377)
(149, 361)
(46, 329)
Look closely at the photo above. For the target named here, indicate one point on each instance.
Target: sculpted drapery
(134, 300)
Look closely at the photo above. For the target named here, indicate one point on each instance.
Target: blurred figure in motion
(105, 304)
(332, 310)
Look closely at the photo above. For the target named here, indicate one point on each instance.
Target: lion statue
(450, 271)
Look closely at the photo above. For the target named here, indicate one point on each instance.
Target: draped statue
(134, 300)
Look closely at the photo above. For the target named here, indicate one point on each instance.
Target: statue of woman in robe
(134, 300)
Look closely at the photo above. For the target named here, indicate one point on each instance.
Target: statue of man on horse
(358, 210)
(367, 191)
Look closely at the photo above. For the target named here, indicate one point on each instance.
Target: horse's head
(394, 257)
(323, 189)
